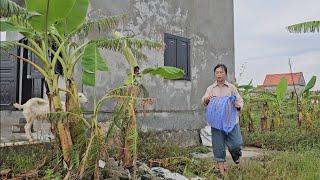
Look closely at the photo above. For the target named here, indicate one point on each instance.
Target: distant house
(272, 80)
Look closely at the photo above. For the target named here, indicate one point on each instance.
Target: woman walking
(224, 101)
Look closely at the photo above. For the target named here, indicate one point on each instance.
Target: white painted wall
(3, 36)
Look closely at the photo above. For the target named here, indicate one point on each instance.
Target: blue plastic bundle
(221, 113)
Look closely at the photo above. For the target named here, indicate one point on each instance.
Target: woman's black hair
(224, 67)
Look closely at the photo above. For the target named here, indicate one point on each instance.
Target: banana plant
(276, 100)
(246, 93)
(40, 32)
(281, 91)
(306, 107)
(127, 96)
(315, 103)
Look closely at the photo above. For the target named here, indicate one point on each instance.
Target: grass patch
(151, 147)
(23, 158)
(282, 165)
(297, 155)
(289, 138)
(175, 158)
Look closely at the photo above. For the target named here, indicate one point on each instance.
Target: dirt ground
(10, 132)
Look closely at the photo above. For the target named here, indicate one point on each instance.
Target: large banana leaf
(126, 51)
(281, 89)
(91, 63)
(101, 25)
(53, 10)
(9, 27)
(74, 18)
(310, 84)
(305, 27)
(166, 72)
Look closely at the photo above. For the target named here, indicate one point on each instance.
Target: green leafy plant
(306, 107)
(277, 102)
(246, 116)
(305, 27)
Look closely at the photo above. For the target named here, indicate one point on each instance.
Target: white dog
(37, 109)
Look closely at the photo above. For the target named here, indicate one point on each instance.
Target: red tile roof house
(272, 80)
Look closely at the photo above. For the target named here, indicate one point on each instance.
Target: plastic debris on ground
(206, 137)
(167, 174)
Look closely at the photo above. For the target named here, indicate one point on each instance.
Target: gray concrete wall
(209, 25)
(299, 88)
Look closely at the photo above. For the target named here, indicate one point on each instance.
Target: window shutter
(37, 88)
(170, 52)
(32, 72)
(177, 53)
(8, 80)
(183, 57)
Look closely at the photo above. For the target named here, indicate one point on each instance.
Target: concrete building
(198, 35)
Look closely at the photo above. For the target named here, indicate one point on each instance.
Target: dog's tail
(18, 106)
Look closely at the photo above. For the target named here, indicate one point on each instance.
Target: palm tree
(305, 27)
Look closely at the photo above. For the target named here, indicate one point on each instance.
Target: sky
(264, 46)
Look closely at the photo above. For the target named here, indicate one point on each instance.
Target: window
(177, 53)
(31, 81)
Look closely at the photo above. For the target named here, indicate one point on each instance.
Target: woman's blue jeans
(220, 139)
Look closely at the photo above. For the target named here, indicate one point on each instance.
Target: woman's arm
(207, 96)
(239, 100)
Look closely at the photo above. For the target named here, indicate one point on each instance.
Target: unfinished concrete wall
(299, 88)
(209, 25)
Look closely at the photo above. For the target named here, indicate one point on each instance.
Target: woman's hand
(207, 99)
